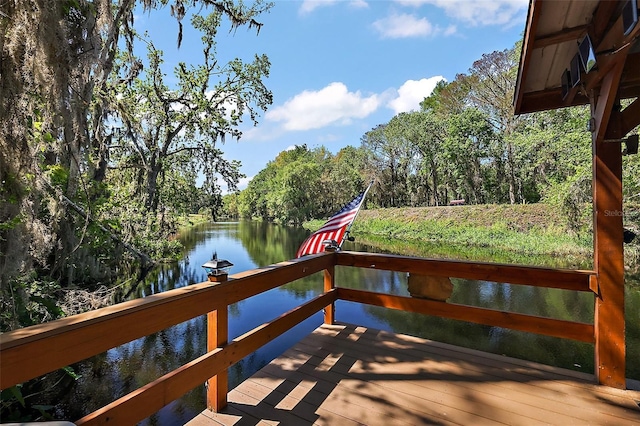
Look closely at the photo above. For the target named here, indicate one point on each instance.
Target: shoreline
(523, 230)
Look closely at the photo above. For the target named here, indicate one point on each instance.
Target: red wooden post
(329, 283)
(609, 265)
(217, 335)
(609, 318)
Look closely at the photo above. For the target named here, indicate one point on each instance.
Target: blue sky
(341, 67)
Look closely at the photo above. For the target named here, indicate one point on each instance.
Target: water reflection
(253, 244)
(529, 300)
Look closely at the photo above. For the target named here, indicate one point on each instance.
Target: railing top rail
(566, 279)
(32, 351)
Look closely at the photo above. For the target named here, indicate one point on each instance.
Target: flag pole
(348, 231)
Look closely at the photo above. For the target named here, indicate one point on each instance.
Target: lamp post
(217, 269)
(217, 335)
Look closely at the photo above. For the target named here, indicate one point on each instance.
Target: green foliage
(11, 189)
(10, 224)
(92, 116)
(58, 175)
(28, 301)
(301, 184)
(171, 135)
(21, 403)
(12, 405)
(127, 215)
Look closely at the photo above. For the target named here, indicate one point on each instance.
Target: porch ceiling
(554, 29)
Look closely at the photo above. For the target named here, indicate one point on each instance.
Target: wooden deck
(348, 375)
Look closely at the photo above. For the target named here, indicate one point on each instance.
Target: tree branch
(146, 260)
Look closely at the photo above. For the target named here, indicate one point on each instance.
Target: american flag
(333, 229)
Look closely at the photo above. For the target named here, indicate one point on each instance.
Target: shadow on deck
(344, 374)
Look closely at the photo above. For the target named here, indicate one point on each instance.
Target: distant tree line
(463, 143)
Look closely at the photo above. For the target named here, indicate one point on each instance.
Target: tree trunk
(151, 202)
(434, 180)
(512, 183)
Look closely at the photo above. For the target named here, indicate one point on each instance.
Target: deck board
(349, 375)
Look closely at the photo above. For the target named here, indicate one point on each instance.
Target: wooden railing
(33, 351)
(511, 274)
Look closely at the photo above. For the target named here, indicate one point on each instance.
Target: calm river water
(250, 245)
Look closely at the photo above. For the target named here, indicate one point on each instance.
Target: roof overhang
(553, 33)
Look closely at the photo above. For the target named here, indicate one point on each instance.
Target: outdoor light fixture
(217, 269)
(628, 236)
(576, 64)
(582, 63)
(566, 83)
(587, 54)
(631, 145)
(629, 16)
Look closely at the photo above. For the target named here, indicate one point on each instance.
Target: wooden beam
(512, 274)
(609, 263)
(140, 404)
(612, 50)
(608, 235)
(544, 100)
(533, 17)
(630, 117)
(567, 34)
(593, 284)
(217, 336)
(603, 103)
(602, 18)
(511, 320)
(33, 351)
(630, 75)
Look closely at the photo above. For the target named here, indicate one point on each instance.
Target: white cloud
(290, 148)
(309, 6)
(333, 104)
(330, 137)
(242, 184)
(412, 92)
(229, 102)
(261, 133)
(450, 30)
(404, 25)
(478, 12)
(358, 4)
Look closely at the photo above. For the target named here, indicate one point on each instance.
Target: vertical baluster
(217, 336)
(329, 284)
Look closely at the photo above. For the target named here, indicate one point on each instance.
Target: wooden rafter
(605, 100)
(630, 117)
(527, 49)
(569, 34)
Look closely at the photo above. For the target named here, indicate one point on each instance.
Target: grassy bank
(192, 220)
(528, 230)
